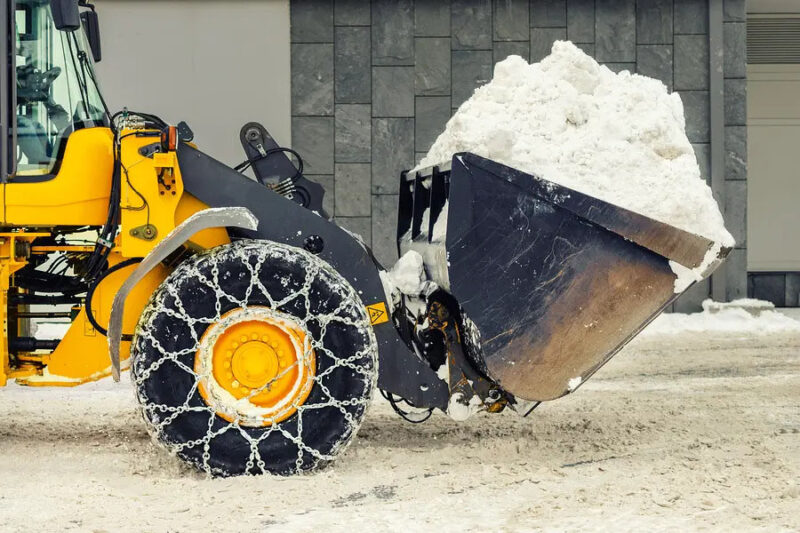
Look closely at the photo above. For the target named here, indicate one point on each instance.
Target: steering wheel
(33, 85)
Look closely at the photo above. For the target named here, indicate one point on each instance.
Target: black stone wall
(373, 84)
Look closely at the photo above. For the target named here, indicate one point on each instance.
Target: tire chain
(159, 416)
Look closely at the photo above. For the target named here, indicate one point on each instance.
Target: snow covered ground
(681, 431)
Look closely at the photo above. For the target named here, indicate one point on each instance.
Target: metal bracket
(464, 379)
(148, 232)
(237, 217)
(149, 149)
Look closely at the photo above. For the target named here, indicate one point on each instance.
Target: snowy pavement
(679, 432)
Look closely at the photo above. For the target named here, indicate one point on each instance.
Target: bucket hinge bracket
(468, 388)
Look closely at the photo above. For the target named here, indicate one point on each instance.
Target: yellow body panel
(152, 197)
(76, 196)
(151, 189)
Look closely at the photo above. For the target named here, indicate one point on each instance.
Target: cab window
(56, 88)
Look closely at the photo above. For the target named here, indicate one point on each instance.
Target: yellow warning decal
(377, 313)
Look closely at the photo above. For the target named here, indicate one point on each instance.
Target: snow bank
(618, 137)
(747, 316)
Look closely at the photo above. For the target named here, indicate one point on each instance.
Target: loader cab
(53, 91)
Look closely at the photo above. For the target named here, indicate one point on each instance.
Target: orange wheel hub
(255, 365)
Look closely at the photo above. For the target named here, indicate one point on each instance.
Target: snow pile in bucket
(745, 316)
(618, 137)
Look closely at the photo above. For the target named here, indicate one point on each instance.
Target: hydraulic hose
(89, 315)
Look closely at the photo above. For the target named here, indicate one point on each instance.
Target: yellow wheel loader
(255, 329)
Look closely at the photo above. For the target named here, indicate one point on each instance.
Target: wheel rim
(256, 366)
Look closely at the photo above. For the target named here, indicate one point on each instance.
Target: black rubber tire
(241, 274)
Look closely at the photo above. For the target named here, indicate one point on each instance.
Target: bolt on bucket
(551, 282)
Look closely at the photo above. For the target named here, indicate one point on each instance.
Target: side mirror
(91, 25)
(65, 14)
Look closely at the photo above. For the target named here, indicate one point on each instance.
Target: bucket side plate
(553, 295)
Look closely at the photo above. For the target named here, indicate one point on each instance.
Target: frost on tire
(209, 396)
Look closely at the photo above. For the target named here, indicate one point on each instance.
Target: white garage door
(773, 167)
(215, 65)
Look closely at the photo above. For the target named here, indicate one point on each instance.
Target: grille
(773, 39)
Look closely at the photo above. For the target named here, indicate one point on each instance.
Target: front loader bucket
(554, 281)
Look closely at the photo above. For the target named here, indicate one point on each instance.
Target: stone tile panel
(353, 139)
(352, 68)
(312, 79)
(393, 32)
